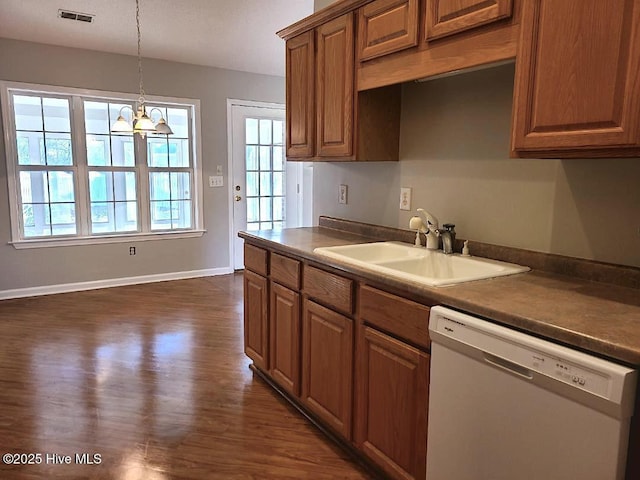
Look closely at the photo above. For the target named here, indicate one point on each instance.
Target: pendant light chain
(141, 100)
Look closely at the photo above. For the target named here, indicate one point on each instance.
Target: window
(265, 169)
(73, 181)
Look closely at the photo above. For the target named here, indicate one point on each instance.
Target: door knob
(238, 198)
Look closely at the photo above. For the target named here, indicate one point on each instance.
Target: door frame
(231, 102)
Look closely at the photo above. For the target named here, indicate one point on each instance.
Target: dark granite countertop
(592, 316)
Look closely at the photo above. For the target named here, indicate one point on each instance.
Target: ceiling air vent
(80, 17)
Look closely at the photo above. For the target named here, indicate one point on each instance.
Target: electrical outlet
(132, 250)
(342, 194)
(216, 181)
(405, 198)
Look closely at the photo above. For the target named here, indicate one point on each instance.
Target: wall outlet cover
(216, 181)
(342, 194)
(405, 198)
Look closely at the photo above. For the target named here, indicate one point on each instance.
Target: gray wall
(454, 152)
(43, 64)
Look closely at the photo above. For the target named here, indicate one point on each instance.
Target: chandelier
(142, 122)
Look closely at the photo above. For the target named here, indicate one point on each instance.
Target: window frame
(81, 168)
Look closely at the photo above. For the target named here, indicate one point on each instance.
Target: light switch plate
(342, 194)
(405, 198)
(216, 181)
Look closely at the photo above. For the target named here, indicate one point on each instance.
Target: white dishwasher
(504, 405)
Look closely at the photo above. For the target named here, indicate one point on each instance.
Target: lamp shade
(121, 126)
(163, 128)
(144, 124)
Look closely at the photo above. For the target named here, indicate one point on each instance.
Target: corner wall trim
(110, 282)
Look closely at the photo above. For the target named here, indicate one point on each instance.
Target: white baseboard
(110, 282)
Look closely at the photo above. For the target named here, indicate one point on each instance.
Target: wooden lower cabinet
(327, 362)
(256, 320)
(392, 381)
(284, 338)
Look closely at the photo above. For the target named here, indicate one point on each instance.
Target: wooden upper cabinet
(300, 78)
(335, 87)
(448, 17)
(387, 26)
(577, 89)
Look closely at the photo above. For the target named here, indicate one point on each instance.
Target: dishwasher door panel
(486, 423)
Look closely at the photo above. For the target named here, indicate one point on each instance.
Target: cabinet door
(577, 76)
(391, 404)
(300, 100)
(284, 338)
(447, 17)
(387, 26)
(334, 87)
(256, 329)
(327, 361)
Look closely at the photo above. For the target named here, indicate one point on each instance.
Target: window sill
(103, 239)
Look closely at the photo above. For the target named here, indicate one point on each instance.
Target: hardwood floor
(153, 379)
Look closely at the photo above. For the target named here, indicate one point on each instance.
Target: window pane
(180, 186)
(161, 215)
(265, 132)
(277, 208)
(36, 219)
(178, 120)
(278, 183)
(253, 226)
(252, 184)
(34, 187)
(251, 126)
(64, 214)
(28, 148)
(253, 210)
(98, 150)
(265, 158)
(265, 209)
(265, 183)
(56, 148)
(278, 134)
(157, 152)
(56, 114)
(266, 225)
(123, 218)
(96, 117)
(102, 217)
(122, 182)
(160, 186)
(100, 189)
(278, 158)
(28, 113)
(61, 187)
(122, 152)
(252, 158)
(181, 214)
(178, 153)
(277, 225)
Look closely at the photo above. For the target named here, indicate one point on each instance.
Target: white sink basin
(429, 267)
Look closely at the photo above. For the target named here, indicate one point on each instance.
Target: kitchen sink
(430, 267)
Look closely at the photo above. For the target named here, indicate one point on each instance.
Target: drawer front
(285, 271)
(329, 289)
(396, 315)
(387, 26)
(444, 17)
(255, 259)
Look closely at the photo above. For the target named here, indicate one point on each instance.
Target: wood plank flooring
(153, 379)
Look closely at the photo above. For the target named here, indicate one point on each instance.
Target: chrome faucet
(448, 235)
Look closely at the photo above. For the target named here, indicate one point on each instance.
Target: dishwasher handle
(505, 364)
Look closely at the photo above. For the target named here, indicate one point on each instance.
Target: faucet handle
(449, 226)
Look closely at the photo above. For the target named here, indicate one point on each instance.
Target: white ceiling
(232, 34)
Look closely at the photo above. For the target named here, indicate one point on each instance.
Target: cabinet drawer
(285, 271)
(329, 289)
(255, 259)
(387, 26)
(396, 315)
(444, 17)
